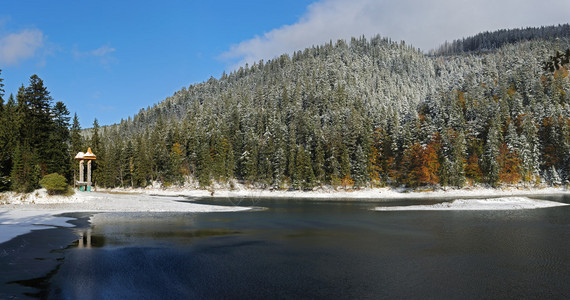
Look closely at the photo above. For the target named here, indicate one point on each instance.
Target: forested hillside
(487, 41)
(365, 113)
(355, 114)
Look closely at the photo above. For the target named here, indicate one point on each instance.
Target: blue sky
(109, 59)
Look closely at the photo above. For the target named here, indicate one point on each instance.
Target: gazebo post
(81, 171)
(89, 175)
(89, 156)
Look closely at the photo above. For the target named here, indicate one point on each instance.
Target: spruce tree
(76, 139)
(141, 162)
(97, 147)
(346, 177)
(58, 152)
(8, 134)
(1, 89)
(33, 125)
(36, 123)
(26, 170)
(492, 146)
(159, 151)
(128, 163)
(204, 164)
(360, 167)
(5, 148)
(292, 154)
(319, 163)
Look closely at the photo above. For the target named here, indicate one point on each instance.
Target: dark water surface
(319, 249)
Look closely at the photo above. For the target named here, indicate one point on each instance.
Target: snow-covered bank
(107, 202)
(19, 214)
(506, 203)
(330, 193)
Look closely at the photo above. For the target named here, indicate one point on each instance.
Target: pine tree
(203, 165)
(375, 159)
(6, 151)
(492, 154)
(319, 163)
(304, 175)
(222, 159)
(26, 170)
(292, 154)
(76, 139)
(1, 89)
(159, 153)
(33, 126)
(34, 103)
(58, 152)
(360, 167)
(279, 157)
(177, 155)
(265, 167)
(334, 168)
(128, 163)
(529, 152)
(141, 161)
(76, 145)
(114, 170)
(346, 178)
(8, 140)
(97, 147)
(95, 143)
(453, 154)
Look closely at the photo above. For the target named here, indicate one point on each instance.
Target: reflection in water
(84, 239)
(147, 229)
(88, 240)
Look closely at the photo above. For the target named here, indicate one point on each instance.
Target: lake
(310, 249)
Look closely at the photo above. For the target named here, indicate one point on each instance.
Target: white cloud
(17, 47)
(424, 24)
(103, 50)
(102, 54)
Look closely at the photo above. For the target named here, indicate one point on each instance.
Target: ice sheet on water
(14, 223)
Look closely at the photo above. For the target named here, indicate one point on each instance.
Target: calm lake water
(318, 249)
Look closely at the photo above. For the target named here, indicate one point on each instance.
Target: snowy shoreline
(20, 214)
(505, 203)
(328, 193)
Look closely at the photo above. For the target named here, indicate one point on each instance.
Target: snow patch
(14, 223)
(506, 203)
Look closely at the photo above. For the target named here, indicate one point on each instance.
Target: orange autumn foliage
(509, 163)
(375, 168)
(420, 165)
(347, 182)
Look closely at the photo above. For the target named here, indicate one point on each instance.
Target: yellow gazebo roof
(87, 155)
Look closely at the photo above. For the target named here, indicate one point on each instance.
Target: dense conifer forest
(34, 137)
(350, 114)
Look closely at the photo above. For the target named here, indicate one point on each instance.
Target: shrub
(54, 184)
